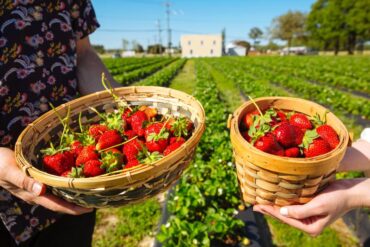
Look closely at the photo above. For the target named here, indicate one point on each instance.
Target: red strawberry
(112, 160)
(137, 122)
(175, 143)
(285, 134)
(132, 148)
(129, 134)
(59, 163)
(93, 168)
(292, 152)
(131, 163)
(108, 139)
(317, 147)
(66, 173)
(327, 133)
(269, 144)
(300, 120)
(126, 116)
(96, 130)
(156, 136)
(181, 126)
(299, 134)
(281, 115)
(87, 153)
(246, 136)
(76, 148)
(248, 120)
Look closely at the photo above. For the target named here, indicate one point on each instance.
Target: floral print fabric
(37, 67)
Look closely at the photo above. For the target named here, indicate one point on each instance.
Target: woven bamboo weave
(270, 179)
(130, 186)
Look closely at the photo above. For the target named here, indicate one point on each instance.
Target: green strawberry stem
(258, 109)
(117, 145)
(80, 122)
(110, 89)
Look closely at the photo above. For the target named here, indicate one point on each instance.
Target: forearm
(89, 72)
(358, 192)
(357, 157)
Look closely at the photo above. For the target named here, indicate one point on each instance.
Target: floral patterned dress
(37, 67)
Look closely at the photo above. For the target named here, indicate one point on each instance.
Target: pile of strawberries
(123, 139)
(287, 133)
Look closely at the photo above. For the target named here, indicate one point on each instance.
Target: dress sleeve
(84, 20)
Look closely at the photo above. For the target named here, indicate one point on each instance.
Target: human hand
(20, 185)
(312, 217)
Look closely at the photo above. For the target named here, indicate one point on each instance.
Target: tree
(124, 44)
(255, 33)
(289, 26)
(138, 48)
(244, 44)
(223, 37)
(156, 49)
(98, 48)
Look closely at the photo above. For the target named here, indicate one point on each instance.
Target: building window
(189, 42)
(201, 42)
(214, 42)
(191, 52)
(211, 51)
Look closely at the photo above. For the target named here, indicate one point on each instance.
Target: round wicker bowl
(269, 179)
(132, 185)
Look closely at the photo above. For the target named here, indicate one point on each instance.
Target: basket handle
(229, 121)
(350, 139)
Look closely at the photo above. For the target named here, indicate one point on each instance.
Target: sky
(138, 19)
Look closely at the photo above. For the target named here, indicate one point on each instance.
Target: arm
(357, 157)
(312, 217)
(90, 68)
(20, 185)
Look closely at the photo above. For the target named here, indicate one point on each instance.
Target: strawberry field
(204, 205)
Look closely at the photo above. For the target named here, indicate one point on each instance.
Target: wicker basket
(270, 179)
(132, 185)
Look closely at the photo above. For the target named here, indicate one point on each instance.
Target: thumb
(300, 211)
(16, 177)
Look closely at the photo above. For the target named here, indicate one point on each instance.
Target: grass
(126, 226)
(336, 235)
(185, 79)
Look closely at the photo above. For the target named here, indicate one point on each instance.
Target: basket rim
(234, 126)
(101, 182)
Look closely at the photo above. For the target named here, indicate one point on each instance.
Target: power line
(168, 12)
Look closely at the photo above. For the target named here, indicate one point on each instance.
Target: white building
(233, 49)
(201, 45)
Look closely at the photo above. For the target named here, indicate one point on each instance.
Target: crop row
(317, 74)
(325, 95)
(141, 73)
(164, 76)
(128, 67)
(202, 206)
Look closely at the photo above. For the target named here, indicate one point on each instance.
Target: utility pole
(168, 12)
(159, 36)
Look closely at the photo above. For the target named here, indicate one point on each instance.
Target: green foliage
(255, 33)
(126, 226)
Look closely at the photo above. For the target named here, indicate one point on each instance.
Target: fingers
(311, 225)
(16, 177)
(59, 205)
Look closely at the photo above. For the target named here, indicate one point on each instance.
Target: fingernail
(36, 189)
(284, 211)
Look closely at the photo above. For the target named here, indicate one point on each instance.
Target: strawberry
(132, 148)
(317, 147)
(131, 163)
(300, 120)
(108, 139)
(87, 153)
(93, 168)
(112, 160)
(76, 148)
(126, 116)
(150, 112)
(292, 152)
(299, 133)
(269, 144)
(96, 130)
(281, 115)
(246, 136)
(129, 134)
(285, 134)
(181, 126)
(327, 133)
(248, 120)
(175, 143)
(156, 136)
(66, 173)
(59, 163)
(137, 122)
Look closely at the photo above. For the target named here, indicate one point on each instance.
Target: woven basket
(133, 184)
(269, 179)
